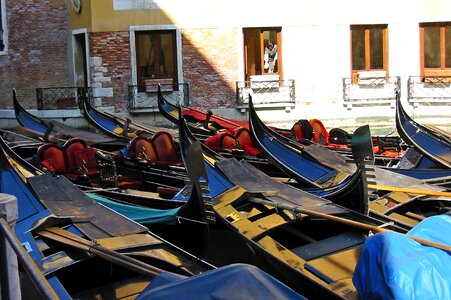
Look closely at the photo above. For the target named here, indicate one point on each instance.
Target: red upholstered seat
(244, 139)
(166, 149)
(302, 130)
(142, 147)
(52, 157)
(222, 140)
(320, 134)
(243, 136)
(79, 154)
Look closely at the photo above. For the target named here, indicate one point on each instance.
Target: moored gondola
(398, 206)
(285, 227)
(432, 143)
(71, 236)
(54, 131)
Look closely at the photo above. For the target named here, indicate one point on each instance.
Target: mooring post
(9, 278)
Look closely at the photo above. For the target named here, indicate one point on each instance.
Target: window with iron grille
(156, 57)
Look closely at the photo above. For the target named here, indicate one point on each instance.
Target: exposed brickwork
(114, 49)
(210, 65)
(38, 49)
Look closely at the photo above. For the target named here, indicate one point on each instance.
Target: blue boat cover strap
(393, 266)
(235, 281)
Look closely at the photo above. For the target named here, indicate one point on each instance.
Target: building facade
(339, 61)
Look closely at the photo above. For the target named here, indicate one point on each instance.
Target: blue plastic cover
(142, 215)
(393, 266)
(235, 281)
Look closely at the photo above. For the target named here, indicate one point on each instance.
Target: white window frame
(178, 37)
(5, 28)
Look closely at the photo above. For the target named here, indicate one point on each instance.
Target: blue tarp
(234, 282)
(393, 266)
(142, 215)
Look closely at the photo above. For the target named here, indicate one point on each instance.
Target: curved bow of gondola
(217, 182)
(171, 113)
(293, 158)
(167, 109)
(108, 125)
(30, 121)
(429, 143)
(341, 187)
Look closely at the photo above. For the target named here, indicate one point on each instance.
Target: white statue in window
(270, 57)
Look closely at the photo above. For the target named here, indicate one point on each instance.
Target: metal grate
(61, 97)
(429, 89)
(266, 93)
(149, 100)
(370, 90)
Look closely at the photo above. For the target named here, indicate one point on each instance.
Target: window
(435, 39)
(262, 52)
(369, 48)
(156, 57)
(2, 26)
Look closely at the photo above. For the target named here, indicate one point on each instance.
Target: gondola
(120, 128)
(125, 154)
(432, 143)
(311, 163)
(123, 260)
(93, 168)
(54, 131)
(284, 227)
(203, 124)
(290, 156)
(206, 126)
(70, 236)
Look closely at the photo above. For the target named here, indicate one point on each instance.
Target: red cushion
(165, 147)
(53, 157)
(88, 156)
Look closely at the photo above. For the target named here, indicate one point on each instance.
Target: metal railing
(11, 249)
(267, 93)
(370, 90)
(175, 93)
(429, 89)
(61, 97)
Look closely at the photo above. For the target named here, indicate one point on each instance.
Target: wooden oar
(357, 224)
(70, 239)
(34, 134)
(409, 190)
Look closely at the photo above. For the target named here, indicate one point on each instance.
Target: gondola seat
(302, 130)
(222, 141)
(339, 136)
(80, 155)
(141, 147)
(243, 136)
(320, 134)
(52, 157)
(166, 149)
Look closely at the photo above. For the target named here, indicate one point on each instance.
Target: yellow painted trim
(408, 190)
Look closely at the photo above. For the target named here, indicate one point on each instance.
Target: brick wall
(38, 49)
(210, 65)
(113, 48)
